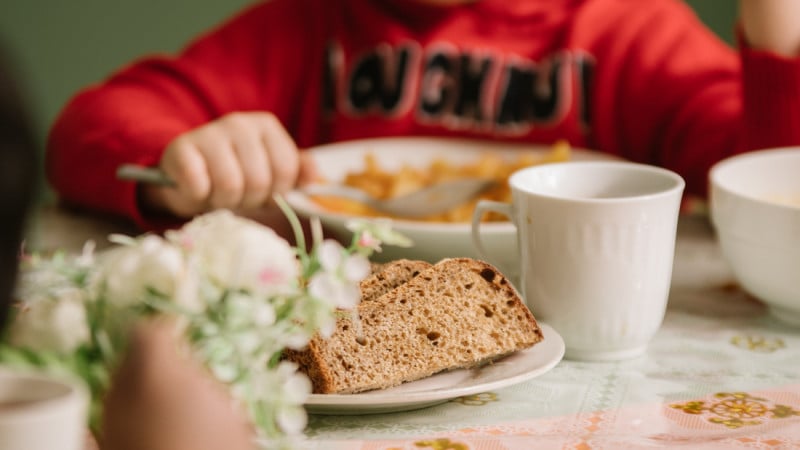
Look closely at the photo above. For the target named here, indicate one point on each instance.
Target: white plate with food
(513, 369)
(390, 166)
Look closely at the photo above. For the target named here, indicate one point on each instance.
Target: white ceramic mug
(39, 412)
(596, 242)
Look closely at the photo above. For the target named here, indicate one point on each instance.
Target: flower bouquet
(242, 295)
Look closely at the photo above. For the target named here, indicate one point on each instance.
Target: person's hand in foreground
(162, 399)
(236, 162)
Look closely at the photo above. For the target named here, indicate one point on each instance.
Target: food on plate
(383, 184)
(457, 313)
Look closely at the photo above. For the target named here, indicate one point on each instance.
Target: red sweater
(641, 79)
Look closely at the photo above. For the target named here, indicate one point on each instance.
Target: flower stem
(294, 221)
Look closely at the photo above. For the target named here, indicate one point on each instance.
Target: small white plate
(515, 368)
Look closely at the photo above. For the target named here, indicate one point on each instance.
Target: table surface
(721, 373)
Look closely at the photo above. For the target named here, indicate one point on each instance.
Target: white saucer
(515, 368)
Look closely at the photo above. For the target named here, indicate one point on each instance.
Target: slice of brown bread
(457, 313)
(388, 276)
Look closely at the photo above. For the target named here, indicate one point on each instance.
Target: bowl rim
(719, 169)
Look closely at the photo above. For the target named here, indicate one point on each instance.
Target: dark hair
(18, 179)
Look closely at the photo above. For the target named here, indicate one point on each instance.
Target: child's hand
(771, 25)
(161, 398)
(236, 162)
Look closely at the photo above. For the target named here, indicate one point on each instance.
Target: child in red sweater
(225, 118)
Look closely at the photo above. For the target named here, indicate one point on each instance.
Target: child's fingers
(282, 152)
(308, 170)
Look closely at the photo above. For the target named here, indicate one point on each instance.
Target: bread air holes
(487, 311)
(488, 275)
(345, 365)
(433, 337)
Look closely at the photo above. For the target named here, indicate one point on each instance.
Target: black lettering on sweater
(332, 70)
(453, 88)
(457, 88)
(437, 89)
(533, 93)
(377, 79)
(584, 64)
(472, 80)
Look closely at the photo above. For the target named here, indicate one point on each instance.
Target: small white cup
(39, 412)
(596, 243)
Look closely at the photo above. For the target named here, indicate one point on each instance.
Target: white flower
(187, 289)
(286, 390)
(51, 324)
(337, 282)
(128, 271)
(292, 419)
(263, 314)
(239, 253)
(326, 328)
(244, 297)
(297, 386)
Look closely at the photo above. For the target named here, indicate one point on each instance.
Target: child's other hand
(161, 398)
(236, 162)
(772, 25)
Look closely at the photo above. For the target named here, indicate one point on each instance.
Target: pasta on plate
(384, 184)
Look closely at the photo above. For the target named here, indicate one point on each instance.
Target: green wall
(63, 45)
(720, 15)
(60, 46)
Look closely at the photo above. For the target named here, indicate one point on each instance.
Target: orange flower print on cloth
(425, 444)
(441, 444)
(756, 343)
(477, 399)
(737, 409)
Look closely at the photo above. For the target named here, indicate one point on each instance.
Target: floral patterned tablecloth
(722, 373)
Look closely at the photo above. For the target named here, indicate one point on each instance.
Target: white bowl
(432, 241)
(41, 412)
(758, 226)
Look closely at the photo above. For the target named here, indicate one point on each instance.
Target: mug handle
(480, 208)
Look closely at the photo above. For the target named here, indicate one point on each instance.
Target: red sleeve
(771, 98)
(133, 115)
(673, 94)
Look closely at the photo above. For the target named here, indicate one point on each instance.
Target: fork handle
(142, 174)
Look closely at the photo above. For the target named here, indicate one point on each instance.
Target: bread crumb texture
(416, 320)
